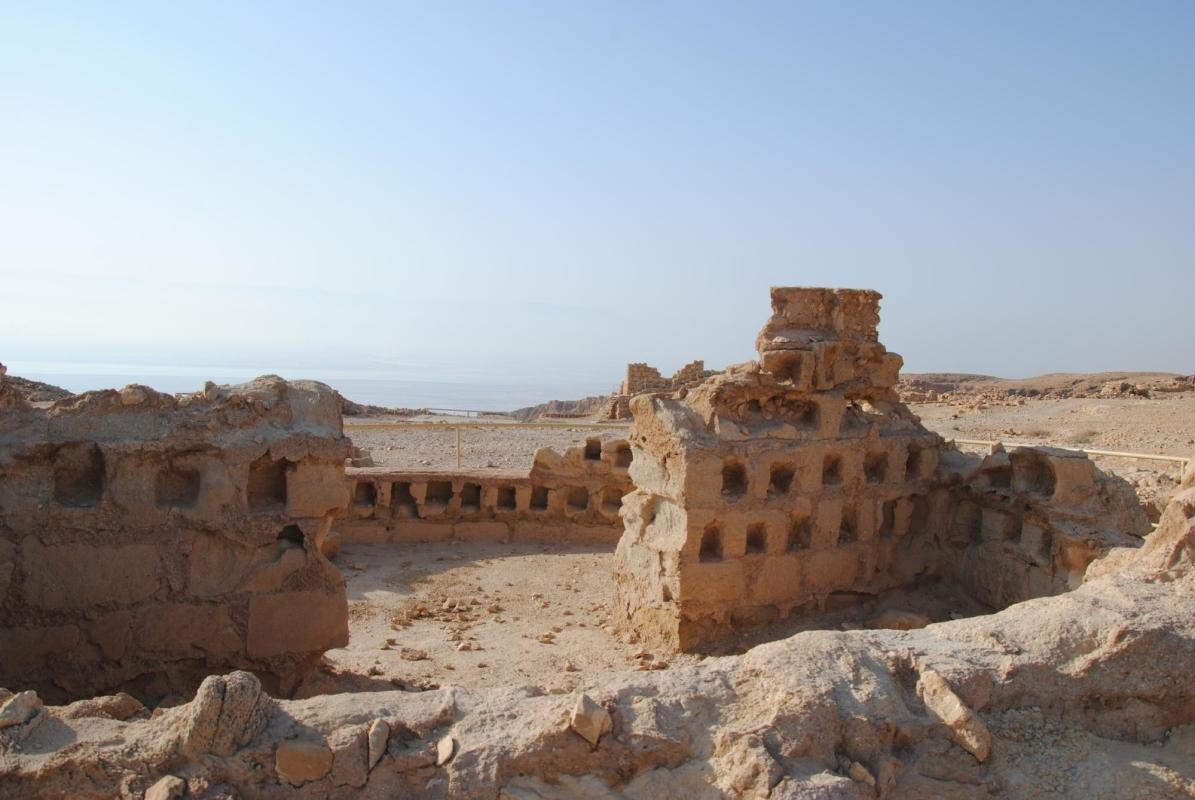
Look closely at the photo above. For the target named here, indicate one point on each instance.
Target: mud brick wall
(148, 540)
(571, 497)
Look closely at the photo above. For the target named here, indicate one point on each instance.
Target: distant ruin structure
(769, 488)
(645, 379)
(148, 540)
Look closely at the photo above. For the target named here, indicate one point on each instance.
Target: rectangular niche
(780, 480)
(79, 476)
(266, 489)
(800, 533)
(577, 498)
(734, 478)
(875, 466)
(507, 498)
(471, 497)
(402, 502)
(439, 494)
(176, 487)
(832, 470)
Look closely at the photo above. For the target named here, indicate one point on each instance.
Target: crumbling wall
(644, 379)
(1028, 523)
(571, 497)
(767, 489)
(147, 540)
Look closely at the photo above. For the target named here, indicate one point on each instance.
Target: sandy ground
(508, 446)
(428, 615)
(1160, 426)
(482, 614)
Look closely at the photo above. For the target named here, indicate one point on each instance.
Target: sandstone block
(379, 739)
(314, 490)
(169, 787)
(967, 729)
(298, 762)
(82, 576)
(19, 709)
(481, 531)
(350, 756)
(589, 720)
(297, 622)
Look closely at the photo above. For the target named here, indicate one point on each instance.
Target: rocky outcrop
(148, 540)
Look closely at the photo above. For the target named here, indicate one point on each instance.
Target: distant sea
(359, 386)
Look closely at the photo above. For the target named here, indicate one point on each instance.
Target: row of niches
(81, 475)
(973, 524)
(619, 452)
(1026, 472)
(792, 473)
(834, 523)
(455, 497)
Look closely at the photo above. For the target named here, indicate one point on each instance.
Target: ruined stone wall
(643, 378)
(768, 488)
(147, 540)
(1028, 523)
(571, 497)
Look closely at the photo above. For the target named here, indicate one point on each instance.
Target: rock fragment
(19, 709)
(379, 738)
(899, 620)
(168, 787)
(590, 720)
(298, 762)
(445, 750)
(967, 729)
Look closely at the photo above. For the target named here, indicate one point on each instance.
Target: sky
(540, 192)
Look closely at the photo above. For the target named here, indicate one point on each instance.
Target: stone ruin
(778, 484)
(573, 497)
(148, 541)
(645, 379)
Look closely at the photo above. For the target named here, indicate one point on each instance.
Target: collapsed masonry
(574, 497)
(148, 540)
(645, 379)
(767, 489)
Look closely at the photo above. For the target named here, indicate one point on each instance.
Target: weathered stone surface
(78, 576)
(776, 485)
(445, 750)
(227, 713)
(169, 787)
(119, 706)
(589, 719)
(298, 762)
(350, 756)
(19, 709)
(1118, 647)
(297, 621)
(379, 738)
(137, 527)
(965, 726)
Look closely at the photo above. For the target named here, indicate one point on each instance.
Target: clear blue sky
(549, 190)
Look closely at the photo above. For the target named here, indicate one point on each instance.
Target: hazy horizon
(530, 196)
